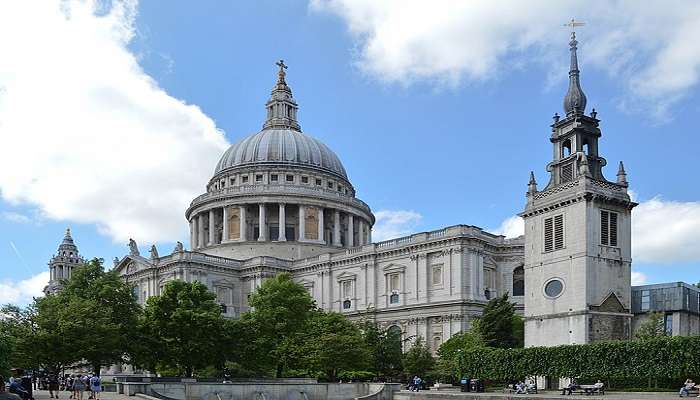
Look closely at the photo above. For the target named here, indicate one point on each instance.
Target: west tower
(577, 236)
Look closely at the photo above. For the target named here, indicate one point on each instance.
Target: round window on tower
(553, 288)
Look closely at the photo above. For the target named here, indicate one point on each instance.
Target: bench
(588, 390)
(511, 389)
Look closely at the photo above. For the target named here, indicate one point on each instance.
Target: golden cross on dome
(573, 24)
(281, 73)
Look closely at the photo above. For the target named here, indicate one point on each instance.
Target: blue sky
(113, 118)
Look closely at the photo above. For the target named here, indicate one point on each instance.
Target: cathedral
(281, 201)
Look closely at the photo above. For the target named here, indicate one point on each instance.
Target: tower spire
(575, 99)
(281, 108)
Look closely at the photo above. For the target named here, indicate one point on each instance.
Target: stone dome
(281, 146)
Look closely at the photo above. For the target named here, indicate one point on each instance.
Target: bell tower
(577, 235)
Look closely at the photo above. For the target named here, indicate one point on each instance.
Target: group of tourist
(587, 389)
(525, 387)
(76, 384)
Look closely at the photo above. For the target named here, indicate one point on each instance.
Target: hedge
(663, 357)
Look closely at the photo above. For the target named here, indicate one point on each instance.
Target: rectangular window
(273, 178)
(347, 289)
(233, 181)
(318, 182)
(304, 179)
(258, 178)
(290, 178)
(608, 228)
(554, 233)
(668, 324)
(330, 185)
(646, 299)
(437, 275)
(244, 179)
(394, 282)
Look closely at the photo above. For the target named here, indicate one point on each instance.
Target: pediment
(223, 282)
(306, 283)
(612, 303)
(131, 264)
(394, 268)
(346, 276)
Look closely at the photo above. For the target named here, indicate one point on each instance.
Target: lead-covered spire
(281, 108)
(575, 99)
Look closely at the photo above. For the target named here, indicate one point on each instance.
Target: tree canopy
(418, 360)
(499, 322)
(184, 329)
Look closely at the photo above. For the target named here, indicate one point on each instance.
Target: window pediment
(346, 276)
(394, 268)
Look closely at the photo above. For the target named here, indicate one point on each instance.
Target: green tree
(497, 322)
(185, 328)
(652, 327)
(418, 360)
(449, 351)
(334, 344)
(384, 346)
(97, 315)
(274, 327)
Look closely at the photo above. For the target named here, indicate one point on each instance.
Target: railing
(283, 189)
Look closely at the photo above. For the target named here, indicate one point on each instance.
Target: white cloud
(638, 278)
(666, 231)
(15, 217)
(391, 224)
(86, 135)
(650, 49)
(511, 227)
(21, 292)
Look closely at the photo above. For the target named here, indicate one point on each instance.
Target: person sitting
(597, 388)
(520, 388)
(569, 389)
(17, 388)
(688, 385)
(5, 395)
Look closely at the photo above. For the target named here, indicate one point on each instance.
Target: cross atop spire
(575, 99)
(281, 74)
(573, 24)
(281, 108)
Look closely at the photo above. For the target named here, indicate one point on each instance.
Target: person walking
(95, 386)
(69, 385)
(78, 387)
(53, 385)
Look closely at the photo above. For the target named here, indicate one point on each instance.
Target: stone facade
(577, 237)
(62, 263)
(280, 201)
(678, 302)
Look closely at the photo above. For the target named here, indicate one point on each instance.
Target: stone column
(52, 273)
(212, 235)
(321, 229)
(336, 228)
(302, 223)
(282, 223)
(225, 233)
(243, 224)
(262, 232)
(361, 232)
(369, 234)
(200, 231)
(350, 240)
(193, 233)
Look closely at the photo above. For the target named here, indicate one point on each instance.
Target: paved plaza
(450, 394)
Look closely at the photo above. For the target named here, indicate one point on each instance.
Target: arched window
(394, 298)
(519, 281)
(347, 304)
(394, 334)
(586, 148)
(566, 148)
